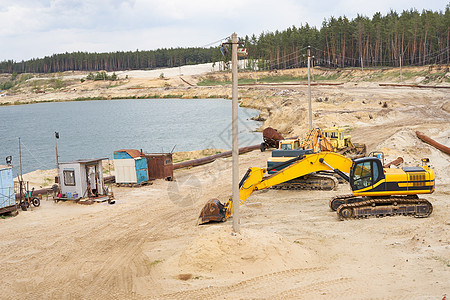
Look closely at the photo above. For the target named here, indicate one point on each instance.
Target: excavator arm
(315, 140)
(254, 180)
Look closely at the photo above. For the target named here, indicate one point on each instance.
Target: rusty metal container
(160, 165)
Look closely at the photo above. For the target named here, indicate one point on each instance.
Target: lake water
(95, 129)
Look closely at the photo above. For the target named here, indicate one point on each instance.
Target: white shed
(82, 179)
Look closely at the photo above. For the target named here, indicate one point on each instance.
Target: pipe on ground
(433, 143)
(395, 162)
(208, 159)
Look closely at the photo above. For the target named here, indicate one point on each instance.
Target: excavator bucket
(213, 211)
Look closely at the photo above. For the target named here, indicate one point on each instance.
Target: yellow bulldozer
(376, 190)
(342, 143)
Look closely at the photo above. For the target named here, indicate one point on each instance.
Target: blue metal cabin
(130, 167)
(7, 196)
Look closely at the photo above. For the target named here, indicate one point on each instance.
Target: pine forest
(410, 38)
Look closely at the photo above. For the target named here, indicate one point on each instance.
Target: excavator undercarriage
(381, 207)
(309, 182)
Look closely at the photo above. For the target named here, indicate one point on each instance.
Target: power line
(41, 164)
(216, 42)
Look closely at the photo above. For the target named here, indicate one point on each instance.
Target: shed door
(141, 170)
(125, 170)
(91, 172)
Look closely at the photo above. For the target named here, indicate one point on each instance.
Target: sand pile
(402, 143)
(406, 144)
(251, 252)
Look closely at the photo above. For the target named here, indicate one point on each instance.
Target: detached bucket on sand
(213, 211)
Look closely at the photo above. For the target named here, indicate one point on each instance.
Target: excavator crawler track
(381, 207)
(337, 201)
(309, 182)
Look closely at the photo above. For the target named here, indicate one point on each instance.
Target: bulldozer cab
(290, 144)
(365, 173)
(337, 137)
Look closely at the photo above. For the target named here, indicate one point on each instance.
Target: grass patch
(263, 79)
(408, 75)
(332, 76)
(445, 261)
(375, 77)
(208, 82)
(218, 97)
(281, 78)
(435, 77)
(47, 181)
(90, 98)
(155, 262)
(52, 84)
(114, 85)
(169, 96)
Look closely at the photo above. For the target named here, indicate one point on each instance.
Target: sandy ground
(291, 245)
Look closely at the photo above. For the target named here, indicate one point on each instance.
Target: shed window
(69, 177)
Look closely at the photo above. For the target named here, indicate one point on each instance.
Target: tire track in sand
(251, 285)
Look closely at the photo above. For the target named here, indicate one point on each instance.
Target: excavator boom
(315, 140)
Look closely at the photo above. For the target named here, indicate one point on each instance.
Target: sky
(38, 28)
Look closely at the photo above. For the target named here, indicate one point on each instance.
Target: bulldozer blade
(213, 211)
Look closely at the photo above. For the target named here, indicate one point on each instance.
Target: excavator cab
(365, 173)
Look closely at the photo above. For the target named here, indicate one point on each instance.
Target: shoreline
(110, 99)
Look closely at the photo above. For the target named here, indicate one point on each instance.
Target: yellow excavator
(376, 191)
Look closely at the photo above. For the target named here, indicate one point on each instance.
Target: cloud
(35, 28)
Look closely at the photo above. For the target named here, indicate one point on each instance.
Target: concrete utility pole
(309, 88)
(235, 148)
